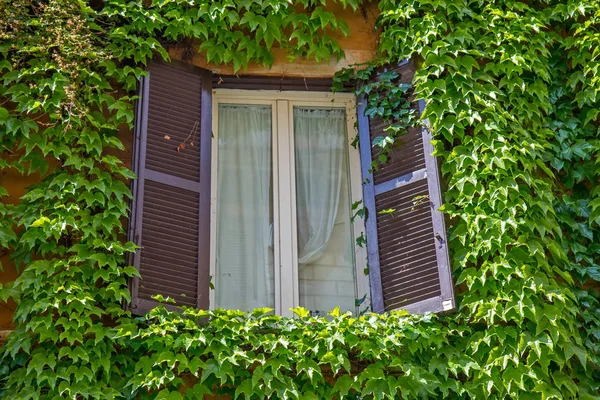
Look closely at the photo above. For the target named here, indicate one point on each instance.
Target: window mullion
(286, 180)
(292, 179)
(213, 201)
(276, 209)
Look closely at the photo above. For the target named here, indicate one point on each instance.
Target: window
(263, 208)
(284, 177)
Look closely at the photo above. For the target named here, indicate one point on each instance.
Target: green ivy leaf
(301, 312)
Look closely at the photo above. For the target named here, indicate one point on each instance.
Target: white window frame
(284, 189)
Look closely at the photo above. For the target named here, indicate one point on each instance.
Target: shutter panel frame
(137, 190)
(446, 302)
(200, 185)
(387, 190)
(364, 144)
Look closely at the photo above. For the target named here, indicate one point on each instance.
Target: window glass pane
(326, 266)
(244, 266)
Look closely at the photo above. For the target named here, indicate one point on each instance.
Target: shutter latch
(447, 305)
(440, 239)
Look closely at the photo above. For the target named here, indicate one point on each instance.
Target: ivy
(515, 138)
(512, 98)
(386, 98)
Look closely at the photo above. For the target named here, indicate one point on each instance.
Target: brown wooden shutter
(407, 249)
(170, 216)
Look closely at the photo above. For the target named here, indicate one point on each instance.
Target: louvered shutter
(407, 248)
(170, 216)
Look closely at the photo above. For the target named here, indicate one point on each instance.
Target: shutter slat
(410, 213)
(399, 234)
(427, 270)
(391, 226)
(406, 247)
(398, 237)
(182, 79)
(180, 123)
(174, 110)
(172, 193)
(401, 264)
(402, 160)
(162, 264)
(150, 289)
(166, 198)
(180, 127)
(414, 284)
(410, 269)
(160, 280)
(184, 156)
(183, 255)
(415, 242)
(170, 245)
(178, 233)
(186, 214)
(401, 298)
(400, 206)
(182, 94)
(164, 254)
(402, 247)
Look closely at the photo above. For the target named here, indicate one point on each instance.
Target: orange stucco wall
(16, 185)
(359, 47)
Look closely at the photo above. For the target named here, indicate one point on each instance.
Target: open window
(251, 191)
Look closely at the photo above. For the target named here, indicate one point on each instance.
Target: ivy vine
(512, 97)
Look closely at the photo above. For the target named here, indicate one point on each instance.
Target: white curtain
(320, 151)
(244, 270)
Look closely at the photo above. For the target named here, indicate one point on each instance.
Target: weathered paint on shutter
(407, 248)
(171, 209)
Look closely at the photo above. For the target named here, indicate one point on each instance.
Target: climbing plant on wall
(512, 97)
(503, 84)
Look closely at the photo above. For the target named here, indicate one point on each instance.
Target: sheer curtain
(244, 271)
(320, 147)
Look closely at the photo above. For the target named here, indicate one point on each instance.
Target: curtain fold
(245, 278)
(319, 152)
